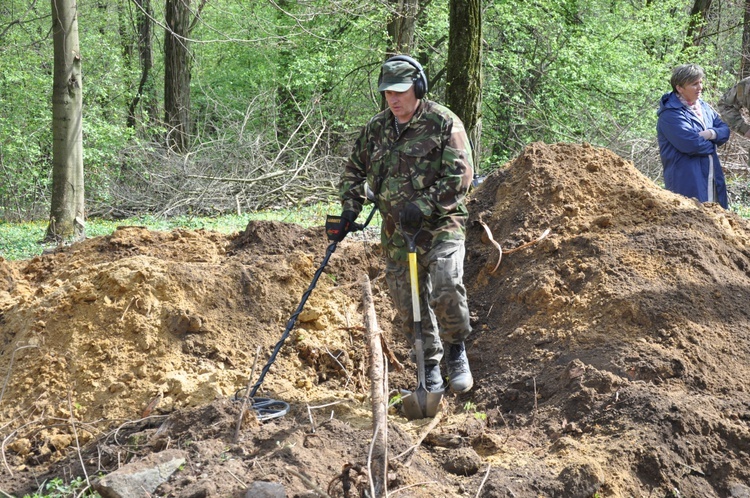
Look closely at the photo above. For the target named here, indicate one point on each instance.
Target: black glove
(411, 216)
(338, 227)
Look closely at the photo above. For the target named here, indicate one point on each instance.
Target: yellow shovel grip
(414, 277)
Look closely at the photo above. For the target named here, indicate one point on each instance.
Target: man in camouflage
(416, 159)
(731, 104)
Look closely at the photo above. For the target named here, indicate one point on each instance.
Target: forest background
(279, 89)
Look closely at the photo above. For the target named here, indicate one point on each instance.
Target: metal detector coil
(265, 408)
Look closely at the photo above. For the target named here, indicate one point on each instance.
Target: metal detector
(268, 408)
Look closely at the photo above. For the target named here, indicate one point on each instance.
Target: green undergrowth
(741, 210)
(57, 488)
(25, 240)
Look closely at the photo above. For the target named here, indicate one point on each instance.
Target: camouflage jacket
(428, 163)
(731, 104)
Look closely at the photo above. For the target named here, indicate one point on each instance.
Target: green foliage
(395, 399)
(470, 406)
(26, 64)
(561, 70)
(25, 113)
(57, 488)
(576, 71)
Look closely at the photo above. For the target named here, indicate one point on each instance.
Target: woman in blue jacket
(689, 131)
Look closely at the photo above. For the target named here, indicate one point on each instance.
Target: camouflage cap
(397, 76)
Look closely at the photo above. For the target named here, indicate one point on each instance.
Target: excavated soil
(610, 350)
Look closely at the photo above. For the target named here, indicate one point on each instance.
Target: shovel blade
(432, 404)
(421, 403)
(413, 408)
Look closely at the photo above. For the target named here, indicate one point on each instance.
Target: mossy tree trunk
(401, 27)
(464, 69)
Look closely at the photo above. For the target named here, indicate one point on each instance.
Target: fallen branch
(247, 396)
(377, 462)
(239, 180)
(376, 487)
(310, 408)
(423, 483)
(243, 484)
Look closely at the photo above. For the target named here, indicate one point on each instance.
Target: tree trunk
(697, 22)
(177, 74)
(67, 207)
(402, 25)
(464, 69)
(745, 61)
(145, 93)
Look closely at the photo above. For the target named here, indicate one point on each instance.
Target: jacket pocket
(422, 161)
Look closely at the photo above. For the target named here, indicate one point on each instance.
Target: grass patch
(741, 210)
(24, 240)
(57, 488)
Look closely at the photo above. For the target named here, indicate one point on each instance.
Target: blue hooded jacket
(691, 164)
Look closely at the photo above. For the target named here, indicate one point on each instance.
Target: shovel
(421, 403)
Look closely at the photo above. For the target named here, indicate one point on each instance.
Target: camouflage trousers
(442, 298)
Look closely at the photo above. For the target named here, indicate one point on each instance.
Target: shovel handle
(419, 353)
(414, 281)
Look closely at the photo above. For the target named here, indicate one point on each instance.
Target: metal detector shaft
(293, 318)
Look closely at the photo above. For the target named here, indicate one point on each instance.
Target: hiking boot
(459, 375)
(433, 379)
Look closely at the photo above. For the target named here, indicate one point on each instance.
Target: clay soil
(610, 357)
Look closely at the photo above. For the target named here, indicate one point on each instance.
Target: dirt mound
(622, 336)
(610, 356)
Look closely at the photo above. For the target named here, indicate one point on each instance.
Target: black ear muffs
(420, 80)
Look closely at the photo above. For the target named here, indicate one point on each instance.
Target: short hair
(685, 74)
